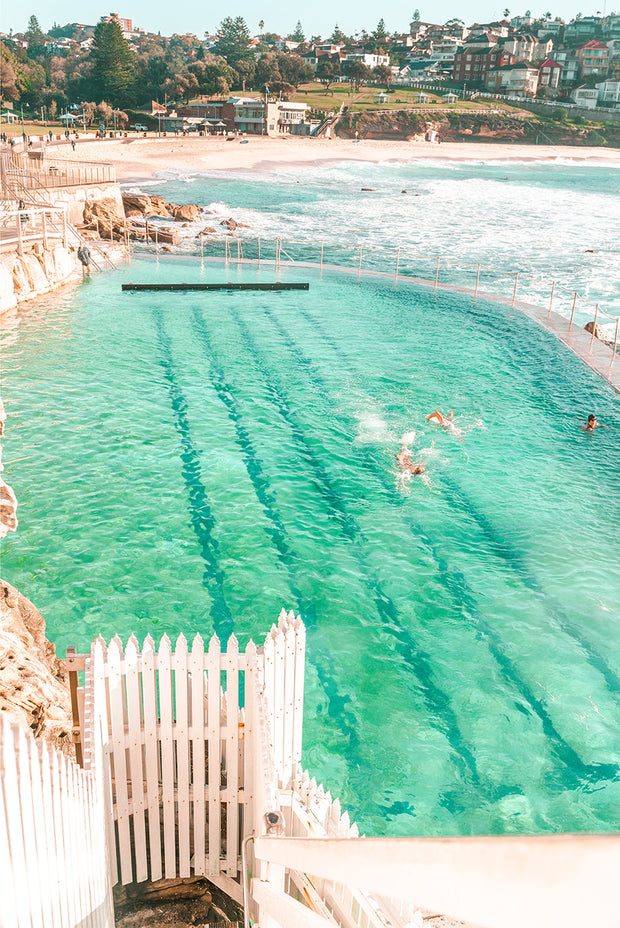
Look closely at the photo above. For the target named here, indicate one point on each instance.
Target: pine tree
(233, 42)
(34, 33)
(114, 64)
(298, 35)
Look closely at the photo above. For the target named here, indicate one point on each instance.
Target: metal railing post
(238, 253)
(477, 280)
(359, 266)
(397, 262)
(613, 353)
(570, 324)
(44, 221)
(551, 298)
(514, 292)
(593, 328)
(202, 251)
(110, 230)
(20, 242)
(259, 251)
(437, 273)
(157, 244)
(322, 244)
(64, 228)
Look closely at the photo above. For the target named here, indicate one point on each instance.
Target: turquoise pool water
(195, 462)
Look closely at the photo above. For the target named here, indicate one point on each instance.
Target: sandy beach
(140, 158)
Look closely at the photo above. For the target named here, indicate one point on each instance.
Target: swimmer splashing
(446, 422)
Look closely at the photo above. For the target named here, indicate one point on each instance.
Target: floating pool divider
(278, 286)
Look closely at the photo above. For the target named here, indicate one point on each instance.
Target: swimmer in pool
(592, 424)
(446, 422)
(406, 464)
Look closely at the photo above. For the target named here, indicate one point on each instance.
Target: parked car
(140, 128)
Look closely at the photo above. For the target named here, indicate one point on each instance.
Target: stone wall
(35, 272)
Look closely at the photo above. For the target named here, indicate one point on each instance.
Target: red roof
(550, 63)
(594, 44)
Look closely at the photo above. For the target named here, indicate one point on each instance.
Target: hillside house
(520, 79)
(593, 58)
(549, 73)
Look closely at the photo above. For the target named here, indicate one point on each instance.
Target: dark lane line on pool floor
(383, 603)
(201, 517)
(277, 532)
(415, 658)
(502, 548)
(464, 595)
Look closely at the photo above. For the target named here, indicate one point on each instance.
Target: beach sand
(140, 158)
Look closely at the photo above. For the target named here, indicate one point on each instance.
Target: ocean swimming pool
(193, 463)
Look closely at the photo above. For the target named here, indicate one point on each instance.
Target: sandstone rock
(132, 213)
(208, 230)
(188, 213)
(104, 212)
(33, 681)
(230, 224)
(243, 225)
(598, 332)
(137, 203)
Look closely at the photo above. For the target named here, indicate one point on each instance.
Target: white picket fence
(53, 867)
(179, 756)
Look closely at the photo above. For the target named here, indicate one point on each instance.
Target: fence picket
(166, 736)
(134, 719)
(117, 720)
(151, 756)
(197, 736)
(250, 739)
(182, 755)
(277, 709)
(214, 772)
(300, 660)
(288, 757)
(232, 754)
(34, 863)
(10, 788)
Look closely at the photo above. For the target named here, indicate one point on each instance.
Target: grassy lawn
(14, 130)
(317, 98)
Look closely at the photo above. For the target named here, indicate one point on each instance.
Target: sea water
(194, 462)
(548, 221)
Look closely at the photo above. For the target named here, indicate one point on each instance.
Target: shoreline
(141, 159)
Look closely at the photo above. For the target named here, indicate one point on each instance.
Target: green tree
(245, 71)
(338, 37)
(357, 72)
(34, 34)
(233, 41)
(383, 75)
(294, 69)
(298, 34)
(328, 71)
(114, 63)
(416, 16)
(261, 25)
(380, 34)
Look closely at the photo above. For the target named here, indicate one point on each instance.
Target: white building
(609, 94)
(371, 61)
(586, 97)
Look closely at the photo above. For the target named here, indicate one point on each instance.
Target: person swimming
(405, 463)
(592, 424)
(446, 422)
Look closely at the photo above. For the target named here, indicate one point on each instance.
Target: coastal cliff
(33, 273)
(478, 127)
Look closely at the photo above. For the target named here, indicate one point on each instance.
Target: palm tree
(261, 26)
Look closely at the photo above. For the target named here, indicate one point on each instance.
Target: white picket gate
(177, 752)
(53, 865)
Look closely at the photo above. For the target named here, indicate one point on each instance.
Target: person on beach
(405, 463)
(592, 424)
(446, 422)
(83, 254)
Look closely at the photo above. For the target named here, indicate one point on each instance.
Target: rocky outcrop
(177, 903)
(34, 273)
(188, 213)
(599, 332)
(33, 682)
(106, 216)
(147, 206)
